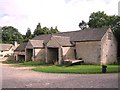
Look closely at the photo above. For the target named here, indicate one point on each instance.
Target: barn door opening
(29, 54)
(53, 55)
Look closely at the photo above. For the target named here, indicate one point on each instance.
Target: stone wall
(89, 51)
(39, 54)
(68, 53)
(108, 48)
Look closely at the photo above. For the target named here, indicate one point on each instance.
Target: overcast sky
(65, 14)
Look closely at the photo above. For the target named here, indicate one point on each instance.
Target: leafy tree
(38, 30)
(44, 30)
(53, 30)
(28, 35)
(83, 25)
(98, 19)
(11, 34)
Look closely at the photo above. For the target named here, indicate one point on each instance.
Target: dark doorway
(75, 53)
(53, 55)
(21, 58)
(29, 54)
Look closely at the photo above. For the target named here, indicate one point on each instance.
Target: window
(109, 35)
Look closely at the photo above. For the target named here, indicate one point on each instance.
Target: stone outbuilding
(92, 45)
(19, 52)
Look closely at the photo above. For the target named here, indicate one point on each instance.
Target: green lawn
(21, 64)
(77, 69)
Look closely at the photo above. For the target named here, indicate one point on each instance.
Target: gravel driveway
(16, 77)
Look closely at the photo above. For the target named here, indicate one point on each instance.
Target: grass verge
(77, 69)
(20, 64)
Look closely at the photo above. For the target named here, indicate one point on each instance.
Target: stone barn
(92, 45)
(19, 53)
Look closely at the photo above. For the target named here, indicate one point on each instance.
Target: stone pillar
(25, 54)
(60, 56)
(46, 55)
(33, 56)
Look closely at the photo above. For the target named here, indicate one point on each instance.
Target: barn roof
(89, 34)
(34, 44)
(63, 40)
(60, 40)
(5, 47)
(45, 38)
(21, 47)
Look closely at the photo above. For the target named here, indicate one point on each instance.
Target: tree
(52, 30)
(38, 30)
(44, 30)
(11, 34)
(28, 35)
(98, 19)
(83, 25)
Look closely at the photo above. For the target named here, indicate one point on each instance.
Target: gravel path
(13, 77)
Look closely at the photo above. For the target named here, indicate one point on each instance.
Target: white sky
(65, 14)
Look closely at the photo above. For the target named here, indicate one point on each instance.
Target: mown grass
(30, 63)
(77, 69)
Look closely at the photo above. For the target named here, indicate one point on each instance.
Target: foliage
(28, 35)
(11, 34)
(52, 30)
(98, 19)
(77, 69)
(83, 25)
(44, 30)
(37, 30)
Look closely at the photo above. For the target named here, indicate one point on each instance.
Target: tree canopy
(11, 34)
(83, 25)
(45, 30)
(28, 35)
